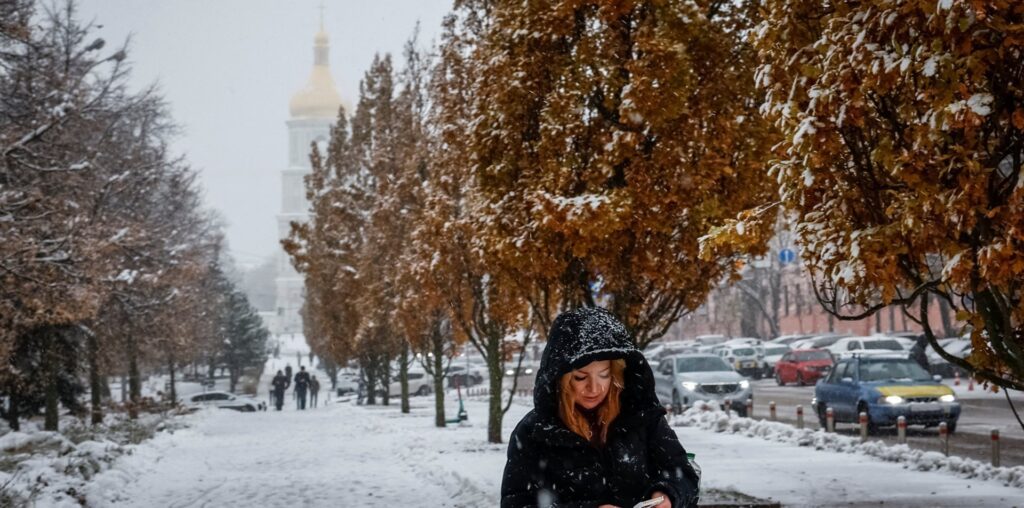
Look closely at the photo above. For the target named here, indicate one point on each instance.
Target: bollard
(956, 378)
(970, 384)
(944, 437)
(995, 447)
(863, 426)
(799, 417)
(771, 411)
(830, 420)
(728, 407)
(750, 407)
(901, 430)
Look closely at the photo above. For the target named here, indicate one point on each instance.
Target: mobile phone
(650, 502)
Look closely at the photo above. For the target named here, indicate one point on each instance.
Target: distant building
(313, 110)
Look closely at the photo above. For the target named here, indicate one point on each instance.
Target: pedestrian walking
(597, 435)
(301, 386)
(280, 384)
(314, 389)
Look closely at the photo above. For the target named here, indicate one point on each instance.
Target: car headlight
(529, 371)
(893, 400)
(689, 385)
(948, 398)
(509, 372)
(744, 384)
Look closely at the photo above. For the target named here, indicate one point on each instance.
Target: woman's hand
(664, 504)
(607, 506)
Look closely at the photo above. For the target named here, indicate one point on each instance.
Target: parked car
(956, 346)
(671, 349)
(524, 377)
(420, 383)
(789, 339)
(682, 380)
(819, 341)
(744, 359)
(804, 366)
(224, 400)
(885, 387)
(464, 376)
(705, 340)
(755, 343)
(772, 354)
(875, 344)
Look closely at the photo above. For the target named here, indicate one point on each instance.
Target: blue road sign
(787, 256)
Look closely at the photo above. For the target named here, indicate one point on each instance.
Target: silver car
(224, 400)
(685, 379)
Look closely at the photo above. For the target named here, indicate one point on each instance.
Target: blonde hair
(606, 412)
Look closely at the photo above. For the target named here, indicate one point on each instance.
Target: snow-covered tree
(902, 160)
(605, 140)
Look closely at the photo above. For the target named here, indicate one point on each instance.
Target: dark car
(885, 387)
(804, 366)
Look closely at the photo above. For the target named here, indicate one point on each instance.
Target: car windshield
(743, 351)
(892, 370)
(889, 344)
(701, 364)
(775, 350)
(805, 356)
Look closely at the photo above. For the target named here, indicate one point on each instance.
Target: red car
(803, 366)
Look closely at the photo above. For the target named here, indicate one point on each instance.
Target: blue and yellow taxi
(885, 387)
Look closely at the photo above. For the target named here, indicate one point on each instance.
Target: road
(980, 413)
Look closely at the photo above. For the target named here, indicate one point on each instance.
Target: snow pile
(58, 469)
(710, 418)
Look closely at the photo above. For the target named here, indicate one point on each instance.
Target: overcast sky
(228, 68)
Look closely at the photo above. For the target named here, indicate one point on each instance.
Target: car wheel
(758, 374)
(822, 420)
(677, 406)
(778, 379)
(800, 379)
(951, 426)
(863, 408)
(423, 390)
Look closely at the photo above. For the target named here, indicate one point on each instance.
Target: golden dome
(319, 98)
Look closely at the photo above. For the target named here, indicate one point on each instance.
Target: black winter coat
(301, 381)
(550, 465)
(280, 383)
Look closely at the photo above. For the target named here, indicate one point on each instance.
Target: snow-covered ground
(346, 455)
(341, 454)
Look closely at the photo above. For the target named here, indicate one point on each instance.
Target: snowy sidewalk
(345, 455)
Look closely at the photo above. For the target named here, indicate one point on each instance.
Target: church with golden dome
(313, 110)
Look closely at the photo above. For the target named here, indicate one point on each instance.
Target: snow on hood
(584, 335)
(720, 376)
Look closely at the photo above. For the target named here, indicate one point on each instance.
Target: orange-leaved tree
(903, 153)
(606, 139)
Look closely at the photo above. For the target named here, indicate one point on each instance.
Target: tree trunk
(438, 350)
(95, 380)
(51, 371)
(12, 414)
(232, 378)
(495, 372)
(172, 390)
(134, 383)
(403, 376)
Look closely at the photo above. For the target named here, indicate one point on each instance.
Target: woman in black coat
(597, 436)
